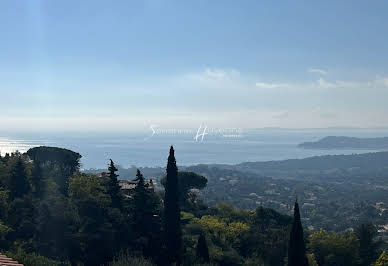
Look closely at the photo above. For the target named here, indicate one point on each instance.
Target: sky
(124, 65)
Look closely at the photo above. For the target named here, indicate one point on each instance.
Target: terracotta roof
(5, 261)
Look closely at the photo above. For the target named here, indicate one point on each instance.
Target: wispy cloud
(213, 74)
(317, 70)
(264, 85)
(322, 83)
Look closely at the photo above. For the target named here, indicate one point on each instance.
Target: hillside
(340, 142)
(359, 168)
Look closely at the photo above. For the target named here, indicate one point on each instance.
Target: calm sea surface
(142, 149)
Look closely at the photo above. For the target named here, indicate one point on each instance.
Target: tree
(382, 260)
(186, 182)
(114, 187)
(18, 183)
(37, 180)
(202, 250)
(146, 224)
(172, 225)
(59, 163)
(297, 248)
(334, 249)
(369, 248)
(97, 233)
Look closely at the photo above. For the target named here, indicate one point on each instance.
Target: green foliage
(229, 232)
(127, 259)
(188, 181)
(172, 224)
(68, 216)
(68, 159)
(296, 247)
(98, 225)
(18, 181)
(60, 164)
(335, 193)
(202, 250)
(369, 247)
(38, 180)
(113, 186)
(311, 259)
(330, 248)
(254, 262)
(382, 260)
(146, 224)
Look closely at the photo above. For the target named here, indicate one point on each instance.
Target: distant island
(340, 142)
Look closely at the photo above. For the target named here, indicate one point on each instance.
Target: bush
(127, 259)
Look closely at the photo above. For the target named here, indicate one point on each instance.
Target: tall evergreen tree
(202, 249)
(172, 225)
(114, 187)
(146, 219)
(369, 247)
(18, 183)
(297, 248)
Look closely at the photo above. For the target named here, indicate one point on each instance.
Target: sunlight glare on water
(9, 146)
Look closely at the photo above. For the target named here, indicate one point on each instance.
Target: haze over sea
(149, 148)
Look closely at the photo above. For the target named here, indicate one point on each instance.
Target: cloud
(322, 83)
(213, 75)
(264, 85)
(317, 70)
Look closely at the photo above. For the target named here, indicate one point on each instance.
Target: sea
(192, 146)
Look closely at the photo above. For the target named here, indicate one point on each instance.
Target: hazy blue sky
(126, 64)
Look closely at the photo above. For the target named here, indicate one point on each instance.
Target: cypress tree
(297, 248)
(369, 245)
(202, 249)
(114, 187)
(18, 183)
(172, 212)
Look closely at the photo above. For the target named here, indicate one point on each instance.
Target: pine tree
(202, 249)
(146, 222)
(172, 211)
(114, 187)
(297, 248)
(18, 184)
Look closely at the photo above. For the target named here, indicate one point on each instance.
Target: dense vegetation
(335, 192)
(52, 214)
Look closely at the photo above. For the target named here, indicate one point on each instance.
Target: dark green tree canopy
(297, 248)
(202, 250)
(62, 156)
(113, 186)
(369, 244)
(186, 182)
(57, 164)
(172, 224)
(18, 183)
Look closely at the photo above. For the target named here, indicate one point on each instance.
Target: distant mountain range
(339, 142)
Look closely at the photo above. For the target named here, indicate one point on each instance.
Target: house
(127, 187)
(4, 260)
